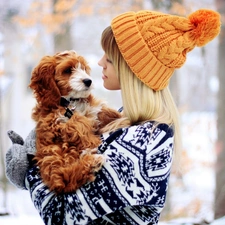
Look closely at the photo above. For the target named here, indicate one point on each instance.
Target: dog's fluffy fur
(66, 148)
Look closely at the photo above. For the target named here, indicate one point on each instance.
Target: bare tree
(62, 40)
(6, 27)
(220, 163)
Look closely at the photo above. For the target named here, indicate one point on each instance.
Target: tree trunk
(3, 180)
(63, 41)
(137, 4)
(220, 150)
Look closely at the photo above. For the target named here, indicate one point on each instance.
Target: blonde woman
(141, 52)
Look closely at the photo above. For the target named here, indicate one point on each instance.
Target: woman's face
(110, 80)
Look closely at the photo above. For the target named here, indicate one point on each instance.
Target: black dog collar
(65, 103)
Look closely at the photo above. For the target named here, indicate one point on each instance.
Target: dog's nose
(87, 82)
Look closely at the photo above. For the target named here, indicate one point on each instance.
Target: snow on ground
(20, 209)
(20, 220)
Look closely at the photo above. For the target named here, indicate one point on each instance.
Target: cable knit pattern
(155, 44)
(130, 188)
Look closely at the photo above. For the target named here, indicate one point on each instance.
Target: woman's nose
(100, 62)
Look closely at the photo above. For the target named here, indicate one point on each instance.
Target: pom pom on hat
(154, 44)
(207, 26)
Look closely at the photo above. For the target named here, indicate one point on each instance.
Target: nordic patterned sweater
(129, 189)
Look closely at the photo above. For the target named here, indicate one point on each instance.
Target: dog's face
(72, 75)
(64, 74)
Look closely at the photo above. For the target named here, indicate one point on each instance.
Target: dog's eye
(68, 70)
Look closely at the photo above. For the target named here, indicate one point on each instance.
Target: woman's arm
(134, 179)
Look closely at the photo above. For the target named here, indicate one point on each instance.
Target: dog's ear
(43, 82)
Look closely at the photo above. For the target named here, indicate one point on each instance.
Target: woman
(142, 50)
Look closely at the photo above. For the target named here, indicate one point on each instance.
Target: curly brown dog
(67, 147)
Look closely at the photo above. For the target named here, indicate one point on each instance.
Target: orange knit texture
(154, 44)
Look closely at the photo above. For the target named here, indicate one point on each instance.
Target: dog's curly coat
(66, 148)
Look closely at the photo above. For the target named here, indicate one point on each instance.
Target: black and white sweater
(130, 188)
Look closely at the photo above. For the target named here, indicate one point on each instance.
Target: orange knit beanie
(154, 44)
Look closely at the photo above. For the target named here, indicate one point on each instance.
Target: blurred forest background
(31, 29)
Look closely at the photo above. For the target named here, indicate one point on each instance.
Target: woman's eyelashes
(108, 60)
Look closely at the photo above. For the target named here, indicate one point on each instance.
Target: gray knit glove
(16, 160)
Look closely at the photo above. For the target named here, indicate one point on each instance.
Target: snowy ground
(20, 208)
(20, 220)
(191, 195)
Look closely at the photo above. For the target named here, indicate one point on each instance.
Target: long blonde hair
(140, 103)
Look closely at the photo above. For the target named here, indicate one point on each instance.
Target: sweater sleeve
(131, 186)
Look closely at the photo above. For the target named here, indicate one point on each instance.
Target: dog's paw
(62, 119)
(89, 151)
(92, 160)
(98, 162)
